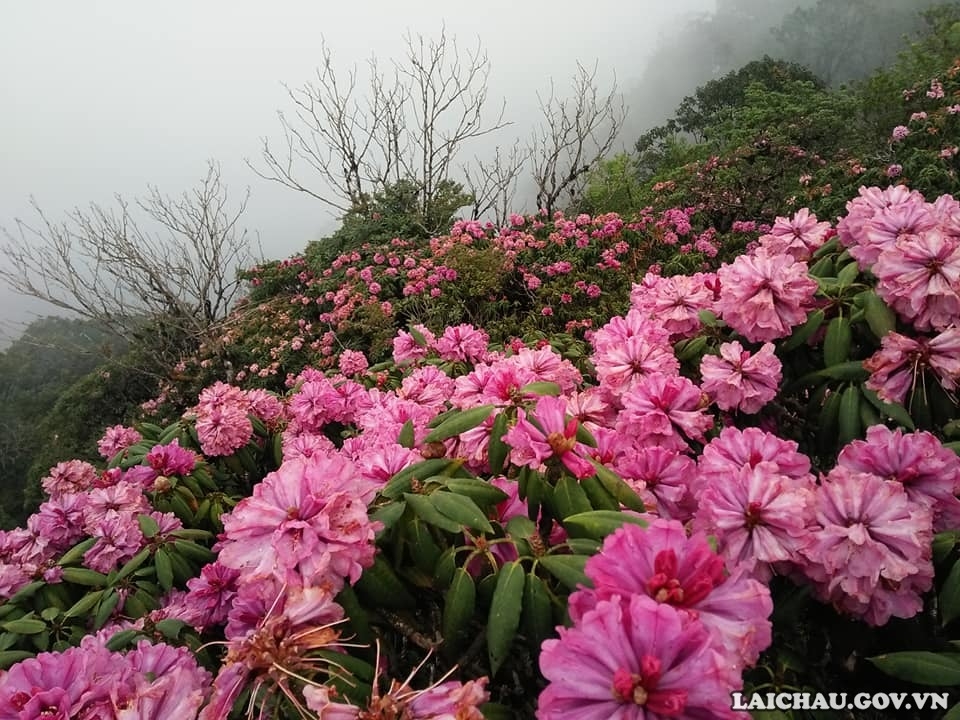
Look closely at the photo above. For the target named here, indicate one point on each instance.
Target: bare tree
(493, 183)
(341, 148)
(101, 264)
(574, 136)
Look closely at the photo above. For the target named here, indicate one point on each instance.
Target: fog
(107, 96)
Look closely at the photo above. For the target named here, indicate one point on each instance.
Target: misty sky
(106, 96)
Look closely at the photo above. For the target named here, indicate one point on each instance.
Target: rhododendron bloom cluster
(739, 380)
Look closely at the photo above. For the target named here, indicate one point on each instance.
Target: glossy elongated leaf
(497, 449)
(400, 483)
(541, 387)
(24, 626)
(108, 603)
(569, 498)
(423, 549)
(836, 343)
(84, 576)
(804, 332)
(148, 526)
(122, 640)
(406, 437)
(84, 604)
(923, 668)
(618, 488)
(459, 606)
(505, 609)
(11, 657)
(537, 617)
(600, 498)
(480, 491)
(568, 569)
(459, 423)
(597, 524)
(164, 569)
(133, 564)
(428, 512)
(461, 509)
(76, 552)
(848, 417)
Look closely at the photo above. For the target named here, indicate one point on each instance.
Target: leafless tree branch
(101, 264)
(573, 137)
(493, 183)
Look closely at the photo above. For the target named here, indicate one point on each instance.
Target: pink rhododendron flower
(664, 410)
(429, 386)
(222, 423)
(662, 477)
(764, 296)
(662, 562)
(210, 595)
(870, 556)
(462, 342)
(620, 367)
(738, 380)
(307, 515)
(758, 516)
(72, 476)
(556, 437)
(619, 329)
(675, 302)
(265, 406)
(734, 449)
(930, 473)
(407, 347)
(798, 236)
(172, 459)
(353, 362)
(652, 663)
(117, 439)
(895, 367)
(919, 277)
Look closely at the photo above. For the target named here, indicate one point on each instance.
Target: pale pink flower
(929, 472)
(758, 516)
(353, 362)
(116, 439)
(764, 296)
(620, 367)
(737, 380)
(798, 236)
(870, 557)
(664, 410)
(919, 277)
(72, 476)
(675, 302)
(734, 449)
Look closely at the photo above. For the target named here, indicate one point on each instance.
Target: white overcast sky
(105, 96)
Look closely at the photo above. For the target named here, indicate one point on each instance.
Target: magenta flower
(223, 430)
(172, 459)
(662, 562)
(663, 478)
(870, 556)
(353, 362)
(675, 302)
(653, 663)
(405, 346)
(738, 380)
(211, 595)
(759, 517)
(764, 296)
(619, 367)
(307, 515)
(930, 473)
(554, 436)
(664, 410)
(463, 342)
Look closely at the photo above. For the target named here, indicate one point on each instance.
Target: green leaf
(708, 318)
(84, 576)
(804, 332)
(427, 511)
(943, 544)
(923, 668)
(133, 563)
(496, 711)
(84, 604)
(541, 387)
(505, 609)
(108, 603)
(406, 438)
(459, 606)
(836, 343)
(389, 514)
(585, 436)
(537, 616)
(880, 318)
(597, 524)
(170, 627)
(569, 498)
(24, 626)
(950, 595)
(121, 640)
(11, 657)
(400, 483)
(459, 423)
(568, 569)
(895, 411)
(462, 509)
(193, 551)
(600, 498)
(480, 491)
(498, 449)
(76, 552)
(164, 569)
(148, 526)
(618, 488)
(953, 713)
